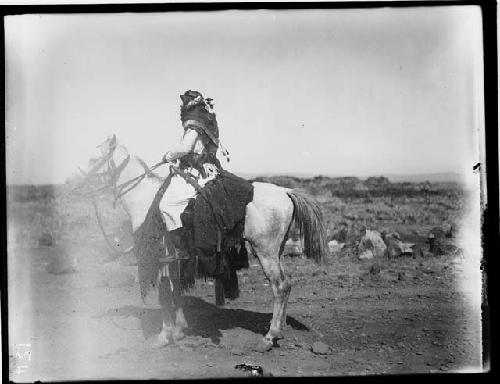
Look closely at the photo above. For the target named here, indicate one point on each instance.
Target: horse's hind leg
(281, 287)
(267, 222)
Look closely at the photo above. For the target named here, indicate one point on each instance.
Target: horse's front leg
(281, 287)
(173, 320)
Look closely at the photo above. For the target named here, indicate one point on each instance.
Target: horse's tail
(308, 219)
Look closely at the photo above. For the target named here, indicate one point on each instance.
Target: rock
(366, 255)
(293, 248)
(335, 247)
(320, 348)
(407, 248)
(395, 247)
(253, 370)
(372, 240)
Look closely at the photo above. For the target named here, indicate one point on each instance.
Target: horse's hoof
(178, 335)
(162, 341)
(264, 346)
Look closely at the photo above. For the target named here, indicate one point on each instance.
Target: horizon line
(310, 175)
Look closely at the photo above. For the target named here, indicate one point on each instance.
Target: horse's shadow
(204, 319)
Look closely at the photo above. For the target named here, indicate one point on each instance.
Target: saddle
(214, 223)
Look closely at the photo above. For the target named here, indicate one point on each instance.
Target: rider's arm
(187, 145)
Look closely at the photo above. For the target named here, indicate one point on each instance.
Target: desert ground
(75, 311)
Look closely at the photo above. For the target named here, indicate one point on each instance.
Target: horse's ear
(112, 143)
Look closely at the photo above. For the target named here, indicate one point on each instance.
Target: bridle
(111, 174)
(105, 170)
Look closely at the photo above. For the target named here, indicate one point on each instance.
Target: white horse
(268, 219)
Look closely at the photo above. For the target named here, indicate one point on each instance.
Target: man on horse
(196, 154)
(204, 205)
(219, 211)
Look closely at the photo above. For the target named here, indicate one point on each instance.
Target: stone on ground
(293, 248)
(366, 255)
(395, 247)
(335, 247)
(371, 241)
(320, 348)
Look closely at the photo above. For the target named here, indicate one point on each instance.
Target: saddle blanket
(220, 204)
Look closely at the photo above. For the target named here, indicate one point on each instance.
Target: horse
(268, 220)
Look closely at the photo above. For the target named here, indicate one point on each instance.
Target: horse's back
(271, 196)
(269, 214)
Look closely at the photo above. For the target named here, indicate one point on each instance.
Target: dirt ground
(386, 316)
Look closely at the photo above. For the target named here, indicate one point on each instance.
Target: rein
(127, 186)
(120, 189)
(113, 173)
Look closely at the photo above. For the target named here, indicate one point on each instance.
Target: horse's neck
(138, 200)
(133, 169)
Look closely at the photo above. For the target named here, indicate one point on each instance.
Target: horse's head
(104, 169)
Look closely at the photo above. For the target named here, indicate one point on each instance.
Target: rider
(196, 155)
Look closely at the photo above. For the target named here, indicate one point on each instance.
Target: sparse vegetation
(409, 208)
(376, 203)
(372, 314)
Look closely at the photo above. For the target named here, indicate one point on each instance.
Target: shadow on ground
(204, 319)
